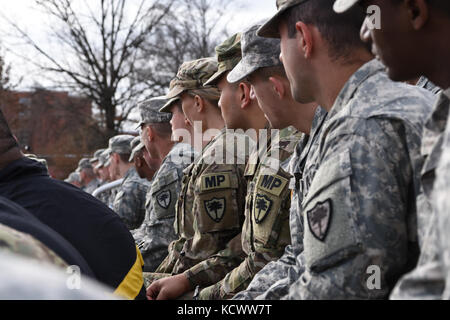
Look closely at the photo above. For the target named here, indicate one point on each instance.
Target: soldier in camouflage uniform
(369, 141)
(74, 179)
(104, 176)
(89, 181)
(261, 64)
(266, 227)
(157, 230)
(94, 162)
(429, 280)
(129, 202)
(210, 209)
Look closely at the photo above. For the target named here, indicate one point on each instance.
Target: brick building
(53, 125)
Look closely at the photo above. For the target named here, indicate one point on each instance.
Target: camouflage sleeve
(214, 269)
(219, 213)
(272, 282)
(129, 204)
(159, 229)
(427, 280)
(355, 213)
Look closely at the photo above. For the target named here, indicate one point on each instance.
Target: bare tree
(101, 48)
(190, 31)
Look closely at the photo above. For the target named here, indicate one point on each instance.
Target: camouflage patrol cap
(270, 28)
(149, 110)
(340, 6)
(84, 163)
(257, 52)
(228, 56)
(166, 108)
(103, 158)
(73, 177)
(136, 146)
(96, 155)
(121, 144)
(192, 75)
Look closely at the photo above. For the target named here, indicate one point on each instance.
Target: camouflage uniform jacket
(266, 231)
(427, 280)
(91, 186)
(157, 230)
(210, 214)
(359, 210)
(274, 280)
(129, 203)
(25, 245)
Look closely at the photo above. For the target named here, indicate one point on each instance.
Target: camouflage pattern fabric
(91, 186)
(266, 231)
(157, 231)
(25, 279)
(428, 279)
(257, 52)
(274, 280)
(359, 209)
(129, 203)
(210, 214)
(26, 245)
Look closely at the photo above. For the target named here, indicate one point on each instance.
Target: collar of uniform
(437, 120)
(129, 173)
(366, 71)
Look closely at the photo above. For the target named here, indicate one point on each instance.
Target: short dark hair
(268, 72)
(341, 31)
(125, 157)
(162, 129)
(8, 141)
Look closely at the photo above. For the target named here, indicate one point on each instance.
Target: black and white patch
(319, 219)
(215, 208)
(164, 199)
(263, 205)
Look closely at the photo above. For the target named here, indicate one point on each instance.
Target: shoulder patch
(273, 184)
(263, 205)
(164, 198)
(319, 219)
(215, 181)
(215, 208)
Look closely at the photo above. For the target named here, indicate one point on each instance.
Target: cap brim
(241, 71)
(136, 150)
(99, 165)
(166, 108)
(175, 92)
(215, 78)
(93, 160)
(340, 6)
(270, 28)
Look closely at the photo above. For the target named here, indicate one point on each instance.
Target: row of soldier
(352, 211)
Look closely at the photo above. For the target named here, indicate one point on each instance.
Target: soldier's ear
(418, 12)
(304, 39)
(278, 87)
(244, 94)
(199, 104)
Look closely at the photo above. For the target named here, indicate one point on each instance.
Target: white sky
(243, 14)
(35, 23)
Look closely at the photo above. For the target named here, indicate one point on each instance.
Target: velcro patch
(273, 184)
(263, 205)
(215, 208)
(215, 181)
(164, 199)
(319, 219)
